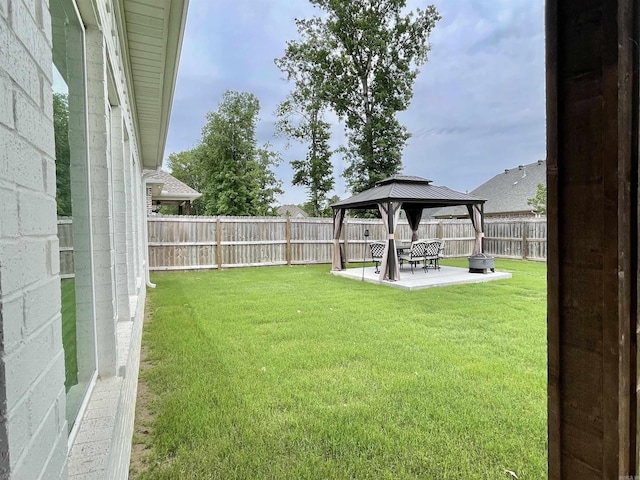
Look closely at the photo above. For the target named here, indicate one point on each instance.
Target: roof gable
(172, 188)
(507, 192)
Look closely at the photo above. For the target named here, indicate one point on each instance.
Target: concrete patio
(419, 279)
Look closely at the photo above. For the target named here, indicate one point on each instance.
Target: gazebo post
(338, 217)
(482, 223)
(389, 268)
(392, 243)
(476, 215)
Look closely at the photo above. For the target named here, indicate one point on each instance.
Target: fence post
(219, 243)
(288, 238)
(524, 240)
(440, 230)
(345, 237)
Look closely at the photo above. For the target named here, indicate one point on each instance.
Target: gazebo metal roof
(416, 191)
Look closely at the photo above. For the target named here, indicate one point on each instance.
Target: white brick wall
(119, 214)
(102, 200)
(33, 429)
(130, 216)
(109, 236)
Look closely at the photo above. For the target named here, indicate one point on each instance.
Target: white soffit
(154, 32)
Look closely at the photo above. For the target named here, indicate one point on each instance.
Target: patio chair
(434, 251)
(415, 254)
(377, 251)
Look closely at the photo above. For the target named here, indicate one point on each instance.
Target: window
(72, 197)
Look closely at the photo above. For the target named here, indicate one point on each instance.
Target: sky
(478, 106)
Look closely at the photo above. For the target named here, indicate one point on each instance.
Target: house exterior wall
(33, 428)
(110, 285)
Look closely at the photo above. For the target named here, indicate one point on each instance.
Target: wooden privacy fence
(191, 243)
(177, 243)
(65, 244)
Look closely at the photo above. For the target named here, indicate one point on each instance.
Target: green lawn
(292, 373)
(69, 333)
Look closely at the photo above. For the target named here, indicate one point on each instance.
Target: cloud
(478, 104)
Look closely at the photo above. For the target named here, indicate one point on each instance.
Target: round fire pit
(480, 263)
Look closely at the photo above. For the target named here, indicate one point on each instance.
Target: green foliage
(69, 341)
(315, 171)
(234, 175)
(539, 202)
(291, 373)
(239, 180)
(186, 166)
(268, 186)
(369, 53)
(63, 153)
(301, 118)
(310, 208)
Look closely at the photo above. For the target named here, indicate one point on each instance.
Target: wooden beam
(592, 176)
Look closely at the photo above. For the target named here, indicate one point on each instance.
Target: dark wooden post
(592, 176)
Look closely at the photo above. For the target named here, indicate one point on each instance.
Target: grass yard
(69, 341)
(292, 373)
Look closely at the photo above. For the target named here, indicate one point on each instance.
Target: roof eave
(177, 196)
(436, 203)
(152, 111)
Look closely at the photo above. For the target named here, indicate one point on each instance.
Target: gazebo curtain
(390, 267)
(338, 217)
(476, 219)
(414, 214)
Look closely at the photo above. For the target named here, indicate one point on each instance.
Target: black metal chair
(415, 254)
(433, 253)
(377, 251)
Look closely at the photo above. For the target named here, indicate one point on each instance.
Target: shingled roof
(407, 189)
(172, 188)
(507, 193)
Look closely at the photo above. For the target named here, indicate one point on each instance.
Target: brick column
(120, 215)
(130, 217)
(101, 207)
(139, 216)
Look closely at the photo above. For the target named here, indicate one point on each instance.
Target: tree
(236, 173)
(369, 51)
(186, 166)
(305, 124)
(539, 202)
(301, 118)
(63, 153)
(268, 186)
(327, 211)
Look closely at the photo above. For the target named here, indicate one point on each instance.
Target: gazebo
(413, 195)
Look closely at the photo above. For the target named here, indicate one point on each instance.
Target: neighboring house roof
(408, 190)
(506, 193)
(291, 211)
(167, 188)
